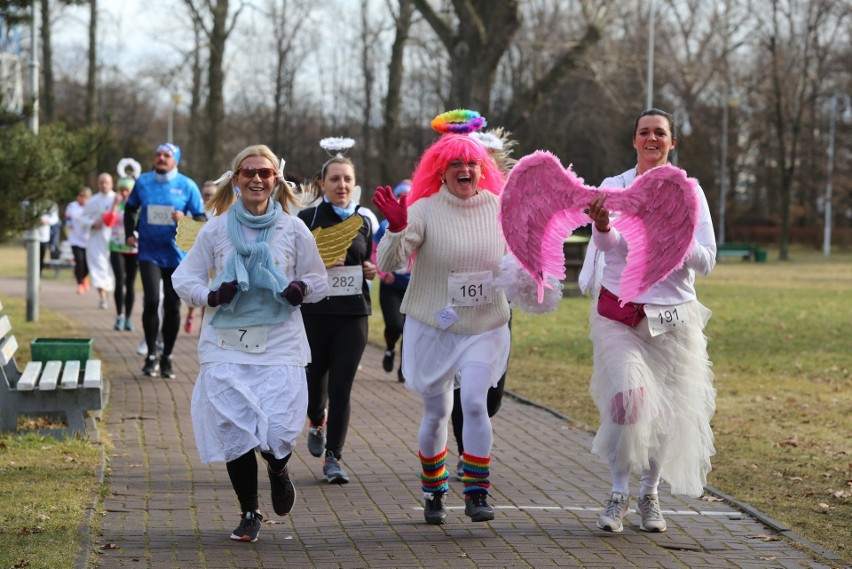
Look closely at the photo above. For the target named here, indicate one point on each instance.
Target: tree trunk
(390, 131)
(215, 84)
(47, 95)
(91, 87)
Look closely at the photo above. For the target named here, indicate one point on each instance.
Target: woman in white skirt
(652, 381)
(251, 390)
(456, 326)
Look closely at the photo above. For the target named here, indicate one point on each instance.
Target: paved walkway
(165, 509)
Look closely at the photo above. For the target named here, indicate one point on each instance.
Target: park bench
(744, 251)
(64, 261)
(63, 390)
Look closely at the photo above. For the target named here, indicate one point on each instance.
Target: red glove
(395, 212)
(225, 294)
(295, 292)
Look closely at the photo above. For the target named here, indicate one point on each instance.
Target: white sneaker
(652, 517)
(614, 512)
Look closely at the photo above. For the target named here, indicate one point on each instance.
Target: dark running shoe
(316, 440)
(433, 508)
(152, 367)
(283, 491)
(334, 473)
(476, 508)
(387, 361)
(166, 367)
(249, 527)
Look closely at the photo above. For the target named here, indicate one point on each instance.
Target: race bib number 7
(250, 339)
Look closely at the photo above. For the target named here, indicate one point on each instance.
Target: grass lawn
(46, 486)
(780, 344)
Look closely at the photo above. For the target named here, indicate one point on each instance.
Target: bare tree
(289, 18)
(47, 95)
(91, 79)
(390, 166)
(212, 18)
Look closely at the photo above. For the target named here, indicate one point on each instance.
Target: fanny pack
(631, 314)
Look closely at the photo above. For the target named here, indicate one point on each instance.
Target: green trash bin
(760, 255)
(61, 349)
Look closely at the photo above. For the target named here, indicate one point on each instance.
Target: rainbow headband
(459, 121)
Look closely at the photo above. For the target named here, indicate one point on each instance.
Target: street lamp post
(649, 98)
(683, 126)
(832, 121)
(176, 100)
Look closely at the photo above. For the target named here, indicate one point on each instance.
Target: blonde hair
(225, 195)
(316, 183)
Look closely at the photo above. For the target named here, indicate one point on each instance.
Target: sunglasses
(264, 173)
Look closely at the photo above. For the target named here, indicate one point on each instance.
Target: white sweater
(450, 235)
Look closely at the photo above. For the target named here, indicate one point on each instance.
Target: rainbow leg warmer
(435, 477)
(477, 469)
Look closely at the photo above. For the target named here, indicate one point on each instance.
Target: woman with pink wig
(456, 326)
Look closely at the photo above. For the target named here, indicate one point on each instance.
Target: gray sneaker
(652, 517)
(334, 473)
(460, 469)
(614, 512)
(316, 440)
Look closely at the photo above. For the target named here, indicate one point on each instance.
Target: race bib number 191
(662, 319)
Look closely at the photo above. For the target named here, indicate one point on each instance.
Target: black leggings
(337, 344)
(124, 267)
(390, 299)
(151, 276)
(243, 474)
(81, 267)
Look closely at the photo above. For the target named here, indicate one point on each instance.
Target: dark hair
(655, 112)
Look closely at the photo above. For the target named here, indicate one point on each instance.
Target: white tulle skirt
(656, 398)
(432, 358)
(239, 407)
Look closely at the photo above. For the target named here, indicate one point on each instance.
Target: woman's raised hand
(395, 211)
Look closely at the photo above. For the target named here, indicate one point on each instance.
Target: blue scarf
(258, 301)
(343, 212)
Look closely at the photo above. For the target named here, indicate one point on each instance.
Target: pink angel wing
(659, 214)
(540, 205)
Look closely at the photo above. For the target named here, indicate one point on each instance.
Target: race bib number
(345, 281)
(470, 289)
(249, 339)
(662, 319)
(160, 215)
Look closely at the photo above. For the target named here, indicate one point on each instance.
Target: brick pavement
(163, 508)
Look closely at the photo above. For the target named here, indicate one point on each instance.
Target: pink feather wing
(541, 204)
(659, 214)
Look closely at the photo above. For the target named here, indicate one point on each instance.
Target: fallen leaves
(764, 537)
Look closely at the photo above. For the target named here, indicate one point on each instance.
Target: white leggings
(477, 436)
(649, 481)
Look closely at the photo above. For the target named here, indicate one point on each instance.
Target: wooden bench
(65, 260)
(60, 391)
(744, 251)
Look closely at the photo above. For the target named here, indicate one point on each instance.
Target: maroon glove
(394, 211)
(224, 295)
(295, 292)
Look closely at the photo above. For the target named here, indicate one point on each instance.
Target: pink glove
(295, 292)
(223, 295)
(394, 211)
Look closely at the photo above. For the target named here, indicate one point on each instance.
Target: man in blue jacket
(159, 200)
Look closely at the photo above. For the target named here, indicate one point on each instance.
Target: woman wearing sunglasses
(251, 394)
(337, 326)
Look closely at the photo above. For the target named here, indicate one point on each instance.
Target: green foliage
(38, 169)
(14, 12)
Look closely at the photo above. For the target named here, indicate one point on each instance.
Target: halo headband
(458, 121)
(336, 146)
